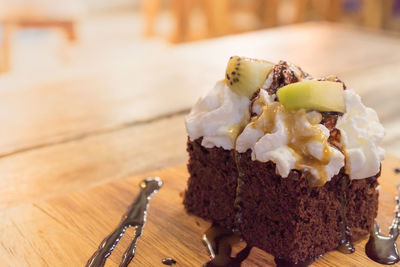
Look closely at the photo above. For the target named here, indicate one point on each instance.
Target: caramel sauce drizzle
(299, 137)
(235, 129)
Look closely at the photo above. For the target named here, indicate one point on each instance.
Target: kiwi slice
(312, 94)
(246, 75)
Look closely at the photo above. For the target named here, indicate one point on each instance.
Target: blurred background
(74, 33)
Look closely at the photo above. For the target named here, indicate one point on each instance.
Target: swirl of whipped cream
(218, 117)
(361, 134)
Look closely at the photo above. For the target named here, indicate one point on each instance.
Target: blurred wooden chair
(374, 13)
(324, 9)
(17, 14)
(218, 15)
(150, 10)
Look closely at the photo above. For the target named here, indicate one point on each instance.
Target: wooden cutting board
(66, 231)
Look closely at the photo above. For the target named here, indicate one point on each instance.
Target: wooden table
(74, 135)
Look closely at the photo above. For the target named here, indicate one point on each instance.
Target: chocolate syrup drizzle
(219, 242)
(134, 217)
(237, 205)
(345, 246)
(383, 249)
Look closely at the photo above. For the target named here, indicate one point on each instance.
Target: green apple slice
(313, 95)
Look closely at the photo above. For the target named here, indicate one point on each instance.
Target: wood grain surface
(65, 231)
(78, 164)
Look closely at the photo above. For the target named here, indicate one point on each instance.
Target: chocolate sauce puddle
(168, 261)
(383, 249)
(134, 217)
(345, 246)
(219, 242)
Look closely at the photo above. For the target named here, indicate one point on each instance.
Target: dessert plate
(67, 231)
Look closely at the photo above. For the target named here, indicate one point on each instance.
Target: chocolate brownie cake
(288, 161)
(211, 200)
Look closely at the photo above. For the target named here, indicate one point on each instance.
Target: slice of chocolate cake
(211, 199)
(293, 221)
(289, 161)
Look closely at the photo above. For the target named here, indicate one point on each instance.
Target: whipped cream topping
(292, 140)
(361, 134)
(268, 81)
(218, 117)
(261, 100)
